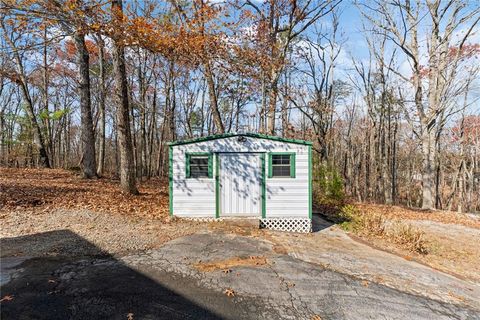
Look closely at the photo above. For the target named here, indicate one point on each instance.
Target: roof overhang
(229, 135)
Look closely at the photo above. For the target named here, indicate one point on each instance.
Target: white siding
(193, 197)
(285, 197)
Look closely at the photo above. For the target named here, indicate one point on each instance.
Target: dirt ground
(38, 200)
(454, 249)
(451, 239)
(54, 213)
(34, 201)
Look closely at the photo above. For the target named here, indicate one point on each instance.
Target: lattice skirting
(303, 225)
(202, 219)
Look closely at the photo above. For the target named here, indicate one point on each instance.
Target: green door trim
(170, 180)
(310, 182)
(264, 197)
(217, 186)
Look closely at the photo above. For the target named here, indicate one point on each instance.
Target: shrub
(367, 224)
(329, 185)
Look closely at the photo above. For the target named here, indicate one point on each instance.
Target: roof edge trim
(229, 135)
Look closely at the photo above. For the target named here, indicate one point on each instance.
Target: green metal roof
(228, 135)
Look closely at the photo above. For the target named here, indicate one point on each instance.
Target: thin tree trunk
(101, 106)
(261, 125)
(142, 158)
(213, 99)
(272, 106)
(48, 130)
(37, 132)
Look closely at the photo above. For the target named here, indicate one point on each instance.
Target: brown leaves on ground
(6, 298)
(400, 213)
(375, 225)
(445, 241)
(46, 189)
(230, 263)
(229, 292)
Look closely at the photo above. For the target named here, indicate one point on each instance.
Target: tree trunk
(213, 99)
(3, 145)
(285, 107)
(428, 171)
(37, 132)
(48, 129)
(142, 158)
(127, 169)
(261, 124)
(170, 105)
(88, 162)
(101, 106)
(272, 106)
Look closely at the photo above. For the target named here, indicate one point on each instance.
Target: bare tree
(280, 23)
(21, 79)
(433, 84)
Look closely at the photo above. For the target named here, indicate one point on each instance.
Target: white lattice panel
(287, 224)
(202, 219)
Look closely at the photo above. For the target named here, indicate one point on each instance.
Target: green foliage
(329, 185)
(56, 115)
(44, 114)
(346, 216)
(195, 120)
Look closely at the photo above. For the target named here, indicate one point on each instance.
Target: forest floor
(36, 201)
(50, 214)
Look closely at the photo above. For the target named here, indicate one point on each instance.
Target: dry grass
(401, 213)
(230, 263)
(409, 237)
(372, 224)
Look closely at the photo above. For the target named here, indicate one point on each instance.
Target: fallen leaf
(7, 298)
(230, 293)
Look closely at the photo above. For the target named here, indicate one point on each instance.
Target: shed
(244, 175)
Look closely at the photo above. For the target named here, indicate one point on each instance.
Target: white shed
(243, 175)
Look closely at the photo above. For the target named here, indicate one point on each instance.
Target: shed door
(240, 184)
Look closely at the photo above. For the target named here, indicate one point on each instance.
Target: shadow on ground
(319, 223)
(97, 286)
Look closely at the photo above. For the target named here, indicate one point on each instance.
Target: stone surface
(164, 284)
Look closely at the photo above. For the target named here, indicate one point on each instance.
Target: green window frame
(190, 155)
(292, 156)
